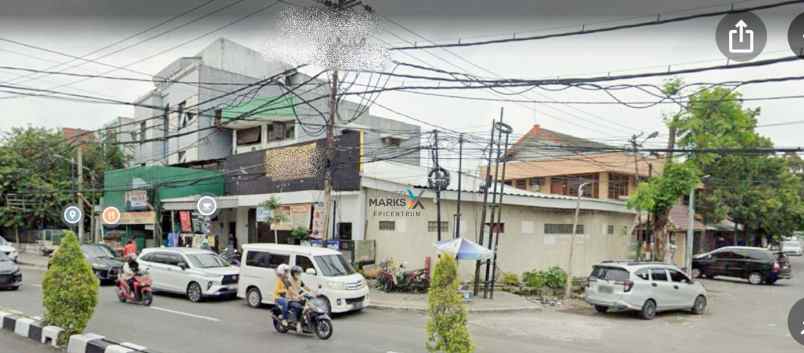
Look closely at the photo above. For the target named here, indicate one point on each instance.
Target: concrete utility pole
(568, 284)
(690, 233)
(460, 171)
(330, 163)
(438, 188)
(484, 207)
(80, 166)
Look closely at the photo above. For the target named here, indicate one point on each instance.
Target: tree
(446, 327)
(70, 289)
(275, 218)
(659, 194)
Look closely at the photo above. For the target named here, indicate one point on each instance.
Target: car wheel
(601, 309)
(755, 278)
(648, 311)
(194, 292)
(696, 273)
(254, 297)
(700, 305)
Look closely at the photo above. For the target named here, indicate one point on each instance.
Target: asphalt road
(740, 318)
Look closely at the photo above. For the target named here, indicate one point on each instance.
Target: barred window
(610, 229)
(550, 228)
(432, 226)
(387, 225)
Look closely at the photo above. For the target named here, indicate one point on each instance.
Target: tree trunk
(660, 250)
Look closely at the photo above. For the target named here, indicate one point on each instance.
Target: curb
(34, 329)
(469, 310)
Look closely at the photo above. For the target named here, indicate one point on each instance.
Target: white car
(196, 273)
(791, 247)
(7, 248)
(324, 270)
(645, 287)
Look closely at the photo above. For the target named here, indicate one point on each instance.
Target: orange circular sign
(110, 215)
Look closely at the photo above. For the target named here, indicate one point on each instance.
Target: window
(290, 131)
(391, 141)
(345, 230)
(278, 131)
(610, 273)
(522, 184)
(727, 255)
(500, 226)
(387, 225)
(149, 258)
(658, 274)
(536, 184)
(181, 156)
(610, 229)
(334, 265)
(257, 259)
(573, 182)
(172, 259)
(643, 275)
(249, 136)
(275, 260)
(206, 261)
(618, 186)
(304, 262)
(550, 228)
(180, 116)
(678, 277)
(432, 226)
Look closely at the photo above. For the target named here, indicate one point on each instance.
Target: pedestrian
(130, 249)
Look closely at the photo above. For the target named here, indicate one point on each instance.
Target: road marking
(36, 285)
(186, 314)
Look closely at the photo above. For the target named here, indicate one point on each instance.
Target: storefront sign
(317, 229)
(148, 217)
(136, 199)
(408, 204)
(110, 215)
(263, 214)
(186, 222)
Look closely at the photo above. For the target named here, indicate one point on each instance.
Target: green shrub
(446, 326)
(554, 278)
(69, 289)
(510, 279)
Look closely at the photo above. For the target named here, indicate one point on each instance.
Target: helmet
(296, 270)
(282, 269)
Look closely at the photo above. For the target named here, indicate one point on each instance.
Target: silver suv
(644, 287)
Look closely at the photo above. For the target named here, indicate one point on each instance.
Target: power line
(584, 31)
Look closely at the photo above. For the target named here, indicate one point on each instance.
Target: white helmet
(282, 269)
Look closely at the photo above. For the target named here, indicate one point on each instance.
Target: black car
(757, 265)
(10, 275)
(103, 261)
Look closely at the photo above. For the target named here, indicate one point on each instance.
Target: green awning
(260, 107)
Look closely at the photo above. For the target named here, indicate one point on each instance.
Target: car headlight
(336, 285)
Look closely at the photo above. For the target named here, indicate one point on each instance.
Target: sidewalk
(36, 261)
(502, 302)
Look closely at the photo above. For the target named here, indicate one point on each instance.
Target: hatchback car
(196, 273)
(10, 274)
(757, 265)
(644, 287)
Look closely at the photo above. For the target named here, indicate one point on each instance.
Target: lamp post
(568, 284)
(690, 229)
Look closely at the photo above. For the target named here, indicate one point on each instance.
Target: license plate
(358, 305)
(605, 289)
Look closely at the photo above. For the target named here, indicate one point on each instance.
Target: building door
(252, 225)
(345, 231)
(232, 234)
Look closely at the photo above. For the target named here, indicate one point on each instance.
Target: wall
(523, 246)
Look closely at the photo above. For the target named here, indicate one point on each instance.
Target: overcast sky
(78, 27)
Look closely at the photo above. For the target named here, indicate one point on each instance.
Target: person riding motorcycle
(295, 296)
(281, 291)
(131, 270)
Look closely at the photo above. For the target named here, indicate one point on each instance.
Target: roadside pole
(483, 210)
(568, 284)
(507, 130)
(79, 201)
(329, 160)
(690, 233)
(460, 171)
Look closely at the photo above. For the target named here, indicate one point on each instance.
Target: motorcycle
(314, 316)
(142, 285)
(402, 280)
(232, 256)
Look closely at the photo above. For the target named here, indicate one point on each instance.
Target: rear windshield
(791, 244)
(610, 274)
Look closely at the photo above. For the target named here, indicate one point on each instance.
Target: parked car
(103, 261)
(791, 247)
(757, 265)
(8, 249)
(644, 287)
(10, 274)
(343, 288)
(197, 273)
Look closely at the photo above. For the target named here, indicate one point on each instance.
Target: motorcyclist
(130, 271)
(281, 291)
(295, 295)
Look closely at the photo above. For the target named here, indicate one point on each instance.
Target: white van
(325, 270)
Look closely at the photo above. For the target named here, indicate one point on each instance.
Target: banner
(186, 224)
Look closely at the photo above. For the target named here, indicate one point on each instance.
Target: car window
(610, 273)
(677, 276)
(304, 262)
(172, 259)
(727, 255)
(334, 265)
(658, 274)
(148, 257)
(277, 259)
(265, 259)
(643, 275)
(206, 260)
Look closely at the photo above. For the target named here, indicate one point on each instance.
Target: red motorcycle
(402, 280)
(142, 285)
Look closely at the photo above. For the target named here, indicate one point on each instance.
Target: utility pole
(690, 233)
(460, 172)
(329, 163)
(507, 130)
(568, 284)
(483, 210)
(80, 166)
(438, 187)
(494, 223)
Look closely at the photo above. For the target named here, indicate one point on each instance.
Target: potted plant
(299, 234)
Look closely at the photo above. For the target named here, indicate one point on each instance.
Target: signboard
(264, 214)
(147, 217)
(300, 215)
(407, 203)
(186, 222)
(136, 199)
(315, 232)
(206, 206)
(72, 215)
(110, 215)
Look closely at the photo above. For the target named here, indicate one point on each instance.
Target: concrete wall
(524, 245)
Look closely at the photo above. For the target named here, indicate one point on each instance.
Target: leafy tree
(70, 289)
(659, 194)
(446, 328)
(276, 218)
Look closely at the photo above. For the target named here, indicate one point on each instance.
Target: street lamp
(568, 284)
(690, 225)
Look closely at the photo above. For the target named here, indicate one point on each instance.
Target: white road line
(186, 314)
(36, 285)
